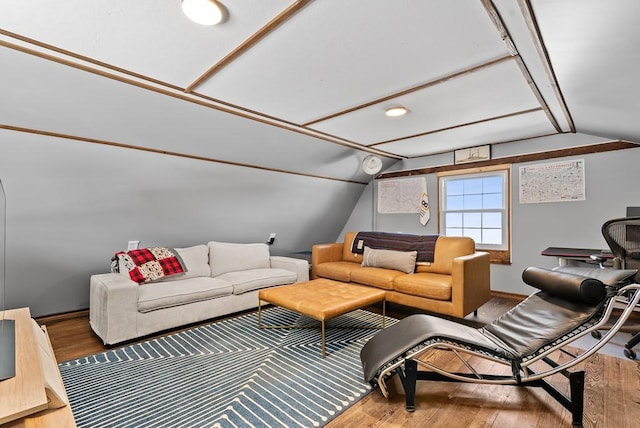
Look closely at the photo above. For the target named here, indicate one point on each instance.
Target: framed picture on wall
(472, 154)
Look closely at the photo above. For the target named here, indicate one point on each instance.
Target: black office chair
(623, 237)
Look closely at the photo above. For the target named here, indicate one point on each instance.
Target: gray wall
(74, 197)
(72, 205)
(611, 179)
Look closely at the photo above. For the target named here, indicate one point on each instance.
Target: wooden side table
(23, 399)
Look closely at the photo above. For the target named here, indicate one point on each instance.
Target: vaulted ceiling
(470, 72)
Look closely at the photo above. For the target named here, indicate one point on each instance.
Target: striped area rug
(226, 374)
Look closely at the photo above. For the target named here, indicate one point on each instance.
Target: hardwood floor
(611, 400)
(72, 337)
(612, 391)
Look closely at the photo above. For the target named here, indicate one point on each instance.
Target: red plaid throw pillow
(150, 264)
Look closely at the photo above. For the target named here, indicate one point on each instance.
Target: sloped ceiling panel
(336, 55)
(506, 129)
(44, 96)
(149, 37)
(593, 46)
(327, 69)
(466, 99)
(520, 26)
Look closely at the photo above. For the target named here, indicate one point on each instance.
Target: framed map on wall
(402, 196)
(552, 182)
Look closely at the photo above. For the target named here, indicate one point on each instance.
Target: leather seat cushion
(375, 277)
(340, 271)
(322, 299)
(430, 285)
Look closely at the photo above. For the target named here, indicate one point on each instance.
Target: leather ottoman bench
(320, 299)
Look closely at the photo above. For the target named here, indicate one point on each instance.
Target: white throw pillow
(229, 257)
(404, 261)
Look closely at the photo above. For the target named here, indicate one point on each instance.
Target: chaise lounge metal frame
(566, 308)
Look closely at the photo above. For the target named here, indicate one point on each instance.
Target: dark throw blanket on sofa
(424, 244)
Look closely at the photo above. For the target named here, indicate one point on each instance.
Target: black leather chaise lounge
(529, 338)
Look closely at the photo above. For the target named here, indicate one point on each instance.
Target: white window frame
(504, 171)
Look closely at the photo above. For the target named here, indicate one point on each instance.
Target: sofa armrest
(471, 282)
(299, 266)
(322, 253)
(113, 305)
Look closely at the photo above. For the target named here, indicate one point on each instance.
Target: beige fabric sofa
(456, 283)
(221, 278)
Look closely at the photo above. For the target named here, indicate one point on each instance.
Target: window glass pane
(492, 201)
(453, 231)
(472, 202)
(492, 236)
(476, 234)
(492, 184)
(454, 220)
(454, 203)
(454, 187)
(475, 205)
(472, 220)
(493, 220)
(473, 186)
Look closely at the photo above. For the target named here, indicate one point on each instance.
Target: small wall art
(472, 154)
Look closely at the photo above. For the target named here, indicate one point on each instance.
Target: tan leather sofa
(456, 283)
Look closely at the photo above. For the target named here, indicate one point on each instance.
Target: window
(475, 203)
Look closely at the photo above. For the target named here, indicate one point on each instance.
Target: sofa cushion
(447, 249)
(429, 285)
(175, 293)
(404, 261)
(339, 271)
(375, 277)
(195, 260)
(255, 279)
(229, 257)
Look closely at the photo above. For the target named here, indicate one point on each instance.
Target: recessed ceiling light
(396, 111)
(204, 12)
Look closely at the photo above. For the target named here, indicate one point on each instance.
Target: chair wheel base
(630, 353)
